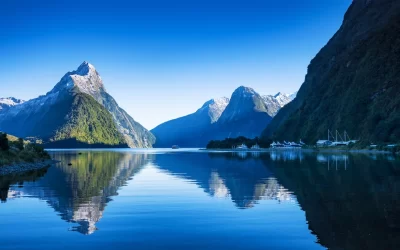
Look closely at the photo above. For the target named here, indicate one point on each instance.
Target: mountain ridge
(45, 115)
(179, 130)
(7, 102)
(196, 130)
(351, 84)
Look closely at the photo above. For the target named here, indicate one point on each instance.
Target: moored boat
(242, 147)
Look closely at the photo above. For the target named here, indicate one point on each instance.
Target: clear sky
(163, 59)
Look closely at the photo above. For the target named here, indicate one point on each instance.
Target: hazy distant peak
(284, 99)
(215, 107)
(215, 101)
(7, 102)
(275, 102)
(290, 95)
(244, 90)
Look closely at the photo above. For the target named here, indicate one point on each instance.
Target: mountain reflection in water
(350, 201)
(244, 179)
(80, 192)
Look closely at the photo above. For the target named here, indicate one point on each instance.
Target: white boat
(255, 147)
(285, 145)
(175, 147)
(242, 147)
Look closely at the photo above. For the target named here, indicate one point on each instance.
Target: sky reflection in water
(153, 199)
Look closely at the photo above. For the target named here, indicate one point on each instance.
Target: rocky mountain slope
(76, 112)
(246, 113)
(278, 101)
(188, 131)
(353, 82)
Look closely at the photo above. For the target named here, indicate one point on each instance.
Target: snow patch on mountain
(284, 99)
(215, 107)
(85, 78)
(9, 102)
(278, 101)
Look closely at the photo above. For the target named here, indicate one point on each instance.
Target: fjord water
(191, 199)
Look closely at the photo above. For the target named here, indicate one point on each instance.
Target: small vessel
(255, 147)
(242, 147)
(175, 147)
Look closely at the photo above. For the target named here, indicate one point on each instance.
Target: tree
(4, 142)
(20, 144)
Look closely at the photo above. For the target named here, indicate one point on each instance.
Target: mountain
(9, 102)
(353, 82)
(246, 115)
(188, 131)
(77, 112)
(278, 101)
(284, 99)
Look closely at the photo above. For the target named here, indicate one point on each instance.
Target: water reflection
(80, 192)
(352, 205)
(246, 154)
(286, 155)
(17, 179)
(237, 175)
(350, 201)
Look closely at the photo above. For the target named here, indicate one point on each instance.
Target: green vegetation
(228, 143)
(4, 146)
(352, 84)
(88, 122)
(16, 150)
(95, 173)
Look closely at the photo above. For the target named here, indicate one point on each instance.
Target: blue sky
(164, 59)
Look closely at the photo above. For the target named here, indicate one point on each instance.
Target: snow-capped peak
(293, 95)
(9, 102)
(215, 107)
(85, 78)
(275, 102)
(85, 68)
(284, 99)
(242, 90)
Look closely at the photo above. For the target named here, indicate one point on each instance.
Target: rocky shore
(25, 166)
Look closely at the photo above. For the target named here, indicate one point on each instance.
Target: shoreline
(22, 167)
(308, 150)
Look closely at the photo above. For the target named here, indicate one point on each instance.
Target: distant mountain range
(77, 112)
(353, 82)
(246, 113)
(9, 102)
(188, 130)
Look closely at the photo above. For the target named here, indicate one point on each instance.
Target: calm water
(153, 199)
